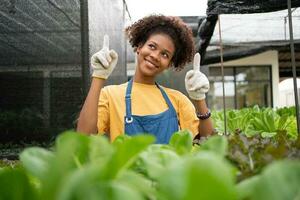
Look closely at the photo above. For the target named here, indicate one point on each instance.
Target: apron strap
(128, 117)
(168, 101)
(128, 100)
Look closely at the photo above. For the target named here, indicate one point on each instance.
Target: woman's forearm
(206, 125)
(88, 117)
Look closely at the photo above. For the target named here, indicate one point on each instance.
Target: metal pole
(84, 27)
(293, 64)
(222, 72)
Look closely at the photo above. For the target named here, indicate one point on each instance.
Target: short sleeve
(187, 116)
(103, 112)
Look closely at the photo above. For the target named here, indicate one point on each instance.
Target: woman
(141, 105)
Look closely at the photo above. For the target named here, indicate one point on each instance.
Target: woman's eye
(165, 55)
(151, 46)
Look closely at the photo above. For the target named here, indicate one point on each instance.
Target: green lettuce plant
(90, 167)
(266, 122)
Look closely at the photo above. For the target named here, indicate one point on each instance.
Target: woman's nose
(155, 55)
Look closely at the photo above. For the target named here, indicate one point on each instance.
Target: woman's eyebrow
(168, 51)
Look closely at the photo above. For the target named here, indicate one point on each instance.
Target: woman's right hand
(104, 61)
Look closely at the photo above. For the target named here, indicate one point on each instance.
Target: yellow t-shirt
(145, 100)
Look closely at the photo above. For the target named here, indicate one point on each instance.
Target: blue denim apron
(161, 125)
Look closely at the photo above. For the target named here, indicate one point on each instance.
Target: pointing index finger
(106, 42)
(197, 59)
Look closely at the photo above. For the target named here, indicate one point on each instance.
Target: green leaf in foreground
(126, 153)
(203, 176)
(37, 161)
(15, 185)
(86, 183)
(246, 188)
(153, 161)
(278, 181)
(216, 143)
(182, 142)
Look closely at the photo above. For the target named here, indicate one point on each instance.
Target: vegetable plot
(259, 136)
(265, 122)
(89, 167)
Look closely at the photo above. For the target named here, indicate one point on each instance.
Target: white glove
(196, 83)
(104, 61)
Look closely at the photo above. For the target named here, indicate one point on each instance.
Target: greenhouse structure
(250, 52)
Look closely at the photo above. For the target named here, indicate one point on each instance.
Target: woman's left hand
(196, 83)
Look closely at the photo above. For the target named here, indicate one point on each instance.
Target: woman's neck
(144, 80)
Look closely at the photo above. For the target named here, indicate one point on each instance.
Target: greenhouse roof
(258, 27)
(249, 25)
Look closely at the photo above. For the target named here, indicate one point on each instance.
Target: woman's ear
(138, 49)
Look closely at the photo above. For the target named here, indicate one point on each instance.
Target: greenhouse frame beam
(222, 74)
(293, 64)
(84, 46)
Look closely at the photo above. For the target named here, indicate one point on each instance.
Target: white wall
(265, 58)
(286, 92)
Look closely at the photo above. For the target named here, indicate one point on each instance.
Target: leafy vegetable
(182, 142)
(90, 167)
(203, 176)
(252, 121)
(217, 144)
(280, 180)
(15, 185)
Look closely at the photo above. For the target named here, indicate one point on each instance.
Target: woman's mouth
(151, 64)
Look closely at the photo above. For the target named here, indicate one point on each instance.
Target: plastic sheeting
(48, 32)
(39, 32)
(216, 7)
(108, 17)
(41, 55)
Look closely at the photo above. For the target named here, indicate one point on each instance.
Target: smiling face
(153, 57)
